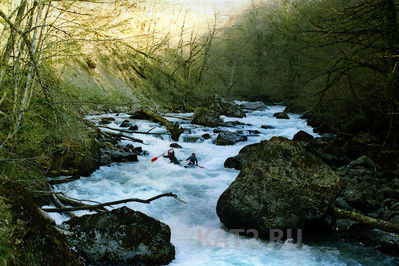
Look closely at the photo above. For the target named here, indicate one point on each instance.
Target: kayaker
(172, 156)
(192, 160)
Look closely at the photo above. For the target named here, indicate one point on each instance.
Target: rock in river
(119, 237)
(126, 123)
(206, 117)
(281, 115)
(281, 186)
(229, 138)
(253, 105)
(222, 106)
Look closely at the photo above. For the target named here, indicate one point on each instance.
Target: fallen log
(177, 117)
(174, 128)
(366, 220)
(133, 132)
(111, 134)
(91, 207)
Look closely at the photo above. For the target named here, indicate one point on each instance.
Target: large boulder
(229, 138)
(119, 237)
(253, 105)
(206, 117)
(281, 186)
(222, 106)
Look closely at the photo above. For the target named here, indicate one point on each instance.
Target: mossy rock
(281, 186)
(206, 117)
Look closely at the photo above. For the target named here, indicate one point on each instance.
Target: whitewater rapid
(198, 235)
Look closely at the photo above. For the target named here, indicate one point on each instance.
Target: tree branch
(91, 207)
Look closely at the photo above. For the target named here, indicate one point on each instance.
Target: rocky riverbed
(291, 168)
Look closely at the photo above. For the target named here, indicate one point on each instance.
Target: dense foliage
(337, 59)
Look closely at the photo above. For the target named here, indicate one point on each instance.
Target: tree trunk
(367, 221)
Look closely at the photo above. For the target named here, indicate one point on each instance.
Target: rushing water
(197, 233)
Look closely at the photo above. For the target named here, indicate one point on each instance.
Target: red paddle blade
(202, 167)
(154, 159)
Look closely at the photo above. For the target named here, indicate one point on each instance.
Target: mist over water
(198, 235)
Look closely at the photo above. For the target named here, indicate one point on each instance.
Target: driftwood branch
(76, 203)
(91, 207)
(367, 221)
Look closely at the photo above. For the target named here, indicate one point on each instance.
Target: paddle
(156, 158)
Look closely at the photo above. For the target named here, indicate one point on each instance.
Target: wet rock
(126, 123)
(193, 139)
(363, 161)
(217, 130)
(330, 152)
(303, 136)
(206, 117)
(233, 162)
(118, 156)
(395, 206)
(395, 219)
(253, 132)
(253, 106)
(137, 150)
(342, 204)
(129, 147)
(229, 138)
(206, 136)
(176, 146)
(222, 106)
(387, 192)
(106, 120)
(281, 186)
(119, 237)
(383, 241)
(237, 162)
(266, 127)
(281, 115)
(341, 225)
(134, 127)
(361, 200)
(237, 123)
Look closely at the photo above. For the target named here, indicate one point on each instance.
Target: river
(198, 235)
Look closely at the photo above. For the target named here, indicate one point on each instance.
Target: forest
(333, 61)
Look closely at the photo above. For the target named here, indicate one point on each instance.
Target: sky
(221, 6)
